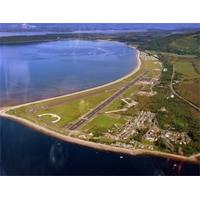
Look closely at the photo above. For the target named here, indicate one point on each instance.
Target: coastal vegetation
(159, 112)
(183, 43)
(177, 115)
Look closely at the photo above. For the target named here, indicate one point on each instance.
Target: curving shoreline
(98, 146)
(136, 69)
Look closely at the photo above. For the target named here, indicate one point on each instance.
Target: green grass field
(180, 51)
(178, 115)
(70, 108)
(104, 122)
(186, 69)
(190, 90)
(188, 73)
(68, 111)
(153, 72)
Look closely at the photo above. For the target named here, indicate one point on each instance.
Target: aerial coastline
(134, 70)
(98, 146)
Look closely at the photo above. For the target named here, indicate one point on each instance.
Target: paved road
(103, 104)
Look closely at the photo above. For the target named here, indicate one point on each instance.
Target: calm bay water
(36, 71)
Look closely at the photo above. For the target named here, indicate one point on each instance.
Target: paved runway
(103, 104)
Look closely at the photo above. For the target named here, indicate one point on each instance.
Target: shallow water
(36, 71)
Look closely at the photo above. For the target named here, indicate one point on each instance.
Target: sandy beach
(135, 69)
(98, 146)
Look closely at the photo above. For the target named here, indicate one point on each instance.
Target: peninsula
(151, 111)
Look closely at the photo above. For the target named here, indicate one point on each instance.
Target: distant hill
(179, 42)
(60, 27)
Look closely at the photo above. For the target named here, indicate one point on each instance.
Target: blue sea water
(24, 151)
(36, 71)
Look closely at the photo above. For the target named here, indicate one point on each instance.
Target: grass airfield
(146, 116)
(71, 108)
